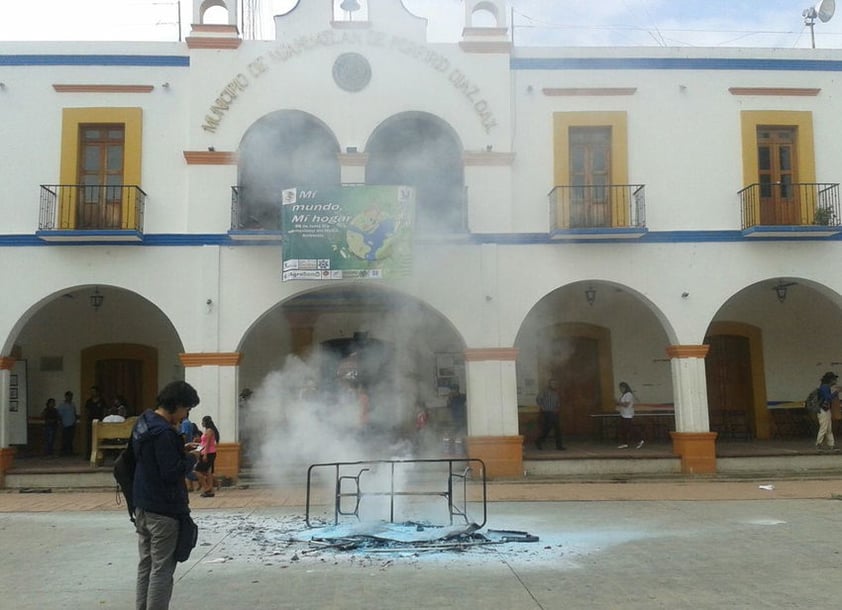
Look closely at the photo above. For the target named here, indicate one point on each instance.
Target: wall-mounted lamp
(166, 85)
(590, 295)
(96, 299)
(211, 149)
(780, 289)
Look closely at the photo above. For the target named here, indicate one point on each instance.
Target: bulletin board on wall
(18, 404)
(450, 372)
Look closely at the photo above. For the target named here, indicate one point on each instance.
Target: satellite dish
(825, 9)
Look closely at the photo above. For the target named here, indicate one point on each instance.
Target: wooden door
(729, 384)
(101, 159)
(121, 377)
(590, 176)
(777, 176)
(574, 362)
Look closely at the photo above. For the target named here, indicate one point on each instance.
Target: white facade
(191, 283)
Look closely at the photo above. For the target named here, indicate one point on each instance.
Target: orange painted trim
(228, 458)
(7, 458)
(475, 31)
(687, 351)
(776, 91)
(7, 363)
(212, 43)
(488, 158)
(480, 354)
(697, 451)
(356, 159)
(103, 88)
(598, 91)
(217, 28)
(211, 359)
(485, 46)
(502, 455)
(350, 25)
(210, 157)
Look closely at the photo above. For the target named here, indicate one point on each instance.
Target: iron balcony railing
(248, 214)
(598, 206)
(79, 207)
(790, 203)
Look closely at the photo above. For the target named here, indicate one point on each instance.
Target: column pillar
(214, 375)
(301, 330)
(352, 167)
(7, 453)
(492, 411)
(692, 440)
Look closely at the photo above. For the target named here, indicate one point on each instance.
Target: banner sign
(348, 232)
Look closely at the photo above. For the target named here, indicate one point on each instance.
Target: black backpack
(813, 402)
(124, 467)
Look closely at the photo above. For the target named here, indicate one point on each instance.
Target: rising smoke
(358, 404)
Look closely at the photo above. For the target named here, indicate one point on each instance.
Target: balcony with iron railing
(252, 219)
(598, 211)
(78, 212)
(789, 209)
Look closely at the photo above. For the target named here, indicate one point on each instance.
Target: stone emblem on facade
(352, 72)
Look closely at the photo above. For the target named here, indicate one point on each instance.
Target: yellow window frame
(71, 120)
(802, 121)
(618, 122)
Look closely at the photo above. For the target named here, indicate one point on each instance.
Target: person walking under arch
(625, 406)
(827, 394)
(550, 404)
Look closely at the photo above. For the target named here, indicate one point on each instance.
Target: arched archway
(421, 150)
(120, 341)
(302, 358)
(588, 336)
(286, 148)
(769, 348)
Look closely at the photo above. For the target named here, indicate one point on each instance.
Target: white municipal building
(668, 217)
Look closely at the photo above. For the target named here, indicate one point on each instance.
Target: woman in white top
(625, 406)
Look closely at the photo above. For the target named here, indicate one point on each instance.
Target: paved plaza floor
(678, 544)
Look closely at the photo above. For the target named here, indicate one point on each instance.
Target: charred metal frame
(361, 467)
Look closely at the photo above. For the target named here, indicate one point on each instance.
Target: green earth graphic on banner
(369, 234)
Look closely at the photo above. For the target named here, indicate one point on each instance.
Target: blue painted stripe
(177, 61)
(672, 63)
(224, 239)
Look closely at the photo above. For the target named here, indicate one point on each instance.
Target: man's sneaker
(622, 446)
(640, 444)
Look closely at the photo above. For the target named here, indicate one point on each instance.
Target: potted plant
(824, 216)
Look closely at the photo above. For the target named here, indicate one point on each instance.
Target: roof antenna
(824, 10)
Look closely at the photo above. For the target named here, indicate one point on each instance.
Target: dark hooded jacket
(162, 465)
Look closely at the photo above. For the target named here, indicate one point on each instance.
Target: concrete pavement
(602, 545)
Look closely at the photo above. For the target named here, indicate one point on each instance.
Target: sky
(702, 23)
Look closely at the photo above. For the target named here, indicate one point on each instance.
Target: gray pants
(156, 539)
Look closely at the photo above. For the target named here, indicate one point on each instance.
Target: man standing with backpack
(827, 394)
(160, 497)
